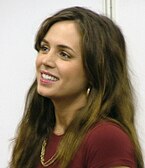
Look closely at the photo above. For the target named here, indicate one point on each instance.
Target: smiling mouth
(48, 77)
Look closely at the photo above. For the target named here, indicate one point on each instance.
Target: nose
(49, 59)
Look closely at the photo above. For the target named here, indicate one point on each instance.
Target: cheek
(75, 73)
(37, 62)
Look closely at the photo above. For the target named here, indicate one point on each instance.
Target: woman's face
(59, 64)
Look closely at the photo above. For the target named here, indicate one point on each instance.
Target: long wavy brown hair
(110, 98)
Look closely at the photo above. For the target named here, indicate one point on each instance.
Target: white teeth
(48, 77)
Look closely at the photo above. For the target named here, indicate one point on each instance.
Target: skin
(61, 56)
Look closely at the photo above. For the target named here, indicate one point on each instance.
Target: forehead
(66, 28)
(66, 33)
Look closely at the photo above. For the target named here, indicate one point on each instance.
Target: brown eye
(64, 55)
(44, 49)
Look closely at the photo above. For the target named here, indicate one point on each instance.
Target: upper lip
(47, 73)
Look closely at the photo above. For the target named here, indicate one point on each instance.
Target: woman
(79, 111)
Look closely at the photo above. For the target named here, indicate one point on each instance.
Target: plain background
(19, 22)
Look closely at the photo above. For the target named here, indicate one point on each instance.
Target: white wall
(19, 21)
(130, 15)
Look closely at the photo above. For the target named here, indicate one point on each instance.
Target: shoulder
(107, 130)
(107, 143)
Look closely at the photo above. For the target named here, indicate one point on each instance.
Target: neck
(65, 111)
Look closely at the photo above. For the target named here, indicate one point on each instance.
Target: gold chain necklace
(42, 154)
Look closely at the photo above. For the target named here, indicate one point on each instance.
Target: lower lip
(46, 82)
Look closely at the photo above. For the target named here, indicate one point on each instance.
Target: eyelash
(63, 54)
(43, 48)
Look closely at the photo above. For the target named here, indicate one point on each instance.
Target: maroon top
(105, 145)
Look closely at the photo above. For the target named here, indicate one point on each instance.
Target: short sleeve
(108, 145)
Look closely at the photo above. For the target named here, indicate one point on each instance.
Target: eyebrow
(60, 46)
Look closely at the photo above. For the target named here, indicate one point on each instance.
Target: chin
(41, 91)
